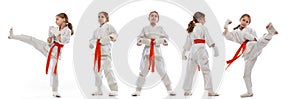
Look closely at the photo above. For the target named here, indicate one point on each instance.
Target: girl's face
(245, 21)
(153, 18)
(59, 21)
(101, 18)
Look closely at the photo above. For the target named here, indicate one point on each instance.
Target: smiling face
(153, 17)
(245, 20)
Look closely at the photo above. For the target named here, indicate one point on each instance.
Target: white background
(22, 69)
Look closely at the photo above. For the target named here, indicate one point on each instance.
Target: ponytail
(70, 26)
(191, 25)
(237, 27)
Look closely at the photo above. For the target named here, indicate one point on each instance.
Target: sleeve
(65, 36)
(141, 37)
(50, 31)
(162, 38)
(53, 31)
(231, 36)
(188, 44)
(253, 32)
(93, 38)
(209, 41)
(112, 32)
(50, 34)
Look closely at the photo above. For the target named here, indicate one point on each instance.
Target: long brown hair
(244, 15)
(63, 15)
(191, 25)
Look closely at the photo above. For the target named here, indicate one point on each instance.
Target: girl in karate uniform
(251, 47)
(152, 36)
(197, 37)
(101, 39)
(52, 49)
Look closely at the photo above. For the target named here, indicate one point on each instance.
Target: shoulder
(199, 26)
(108, 25)
(97, 29)
(67, 30)
(146, 27)
(250, 29)
(159, 26)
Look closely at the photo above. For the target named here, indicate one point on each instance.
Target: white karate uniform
(104, 33)
(253, 49)
(198, 55)
(43, 47)
(148, 33)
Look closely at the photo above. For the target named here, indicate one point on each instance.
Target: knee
(246, 76)
(205, 70)
(142, 74)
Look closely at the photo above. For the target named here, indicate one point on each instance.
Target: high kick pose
(52, 49)
(251, 47)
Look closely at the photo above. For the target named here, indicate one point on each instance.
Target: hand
(227, 23)
(112, 39)
(139, 43)
(91, 46)
(165, 43)
(216, 51)
(213, 45)
(226, 31)
(49, 39)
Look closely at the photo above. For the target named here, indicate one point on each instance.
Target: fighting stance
(52, 49)
(251, 47)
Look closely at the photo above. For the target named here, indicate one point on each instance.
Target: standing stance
(152, 36)
(198, 56)
(102, 59)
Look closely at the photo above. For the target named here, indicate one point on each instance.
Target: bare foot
(271, 29)
(11, 33)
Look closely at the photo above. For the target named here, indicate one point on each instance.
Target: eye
(244, 20)
(98, 16)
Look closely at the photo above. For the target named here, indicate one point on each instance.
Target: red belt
(59, 46)
(237, 53)
(151, 56)
(197, 41)
(98, 55)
